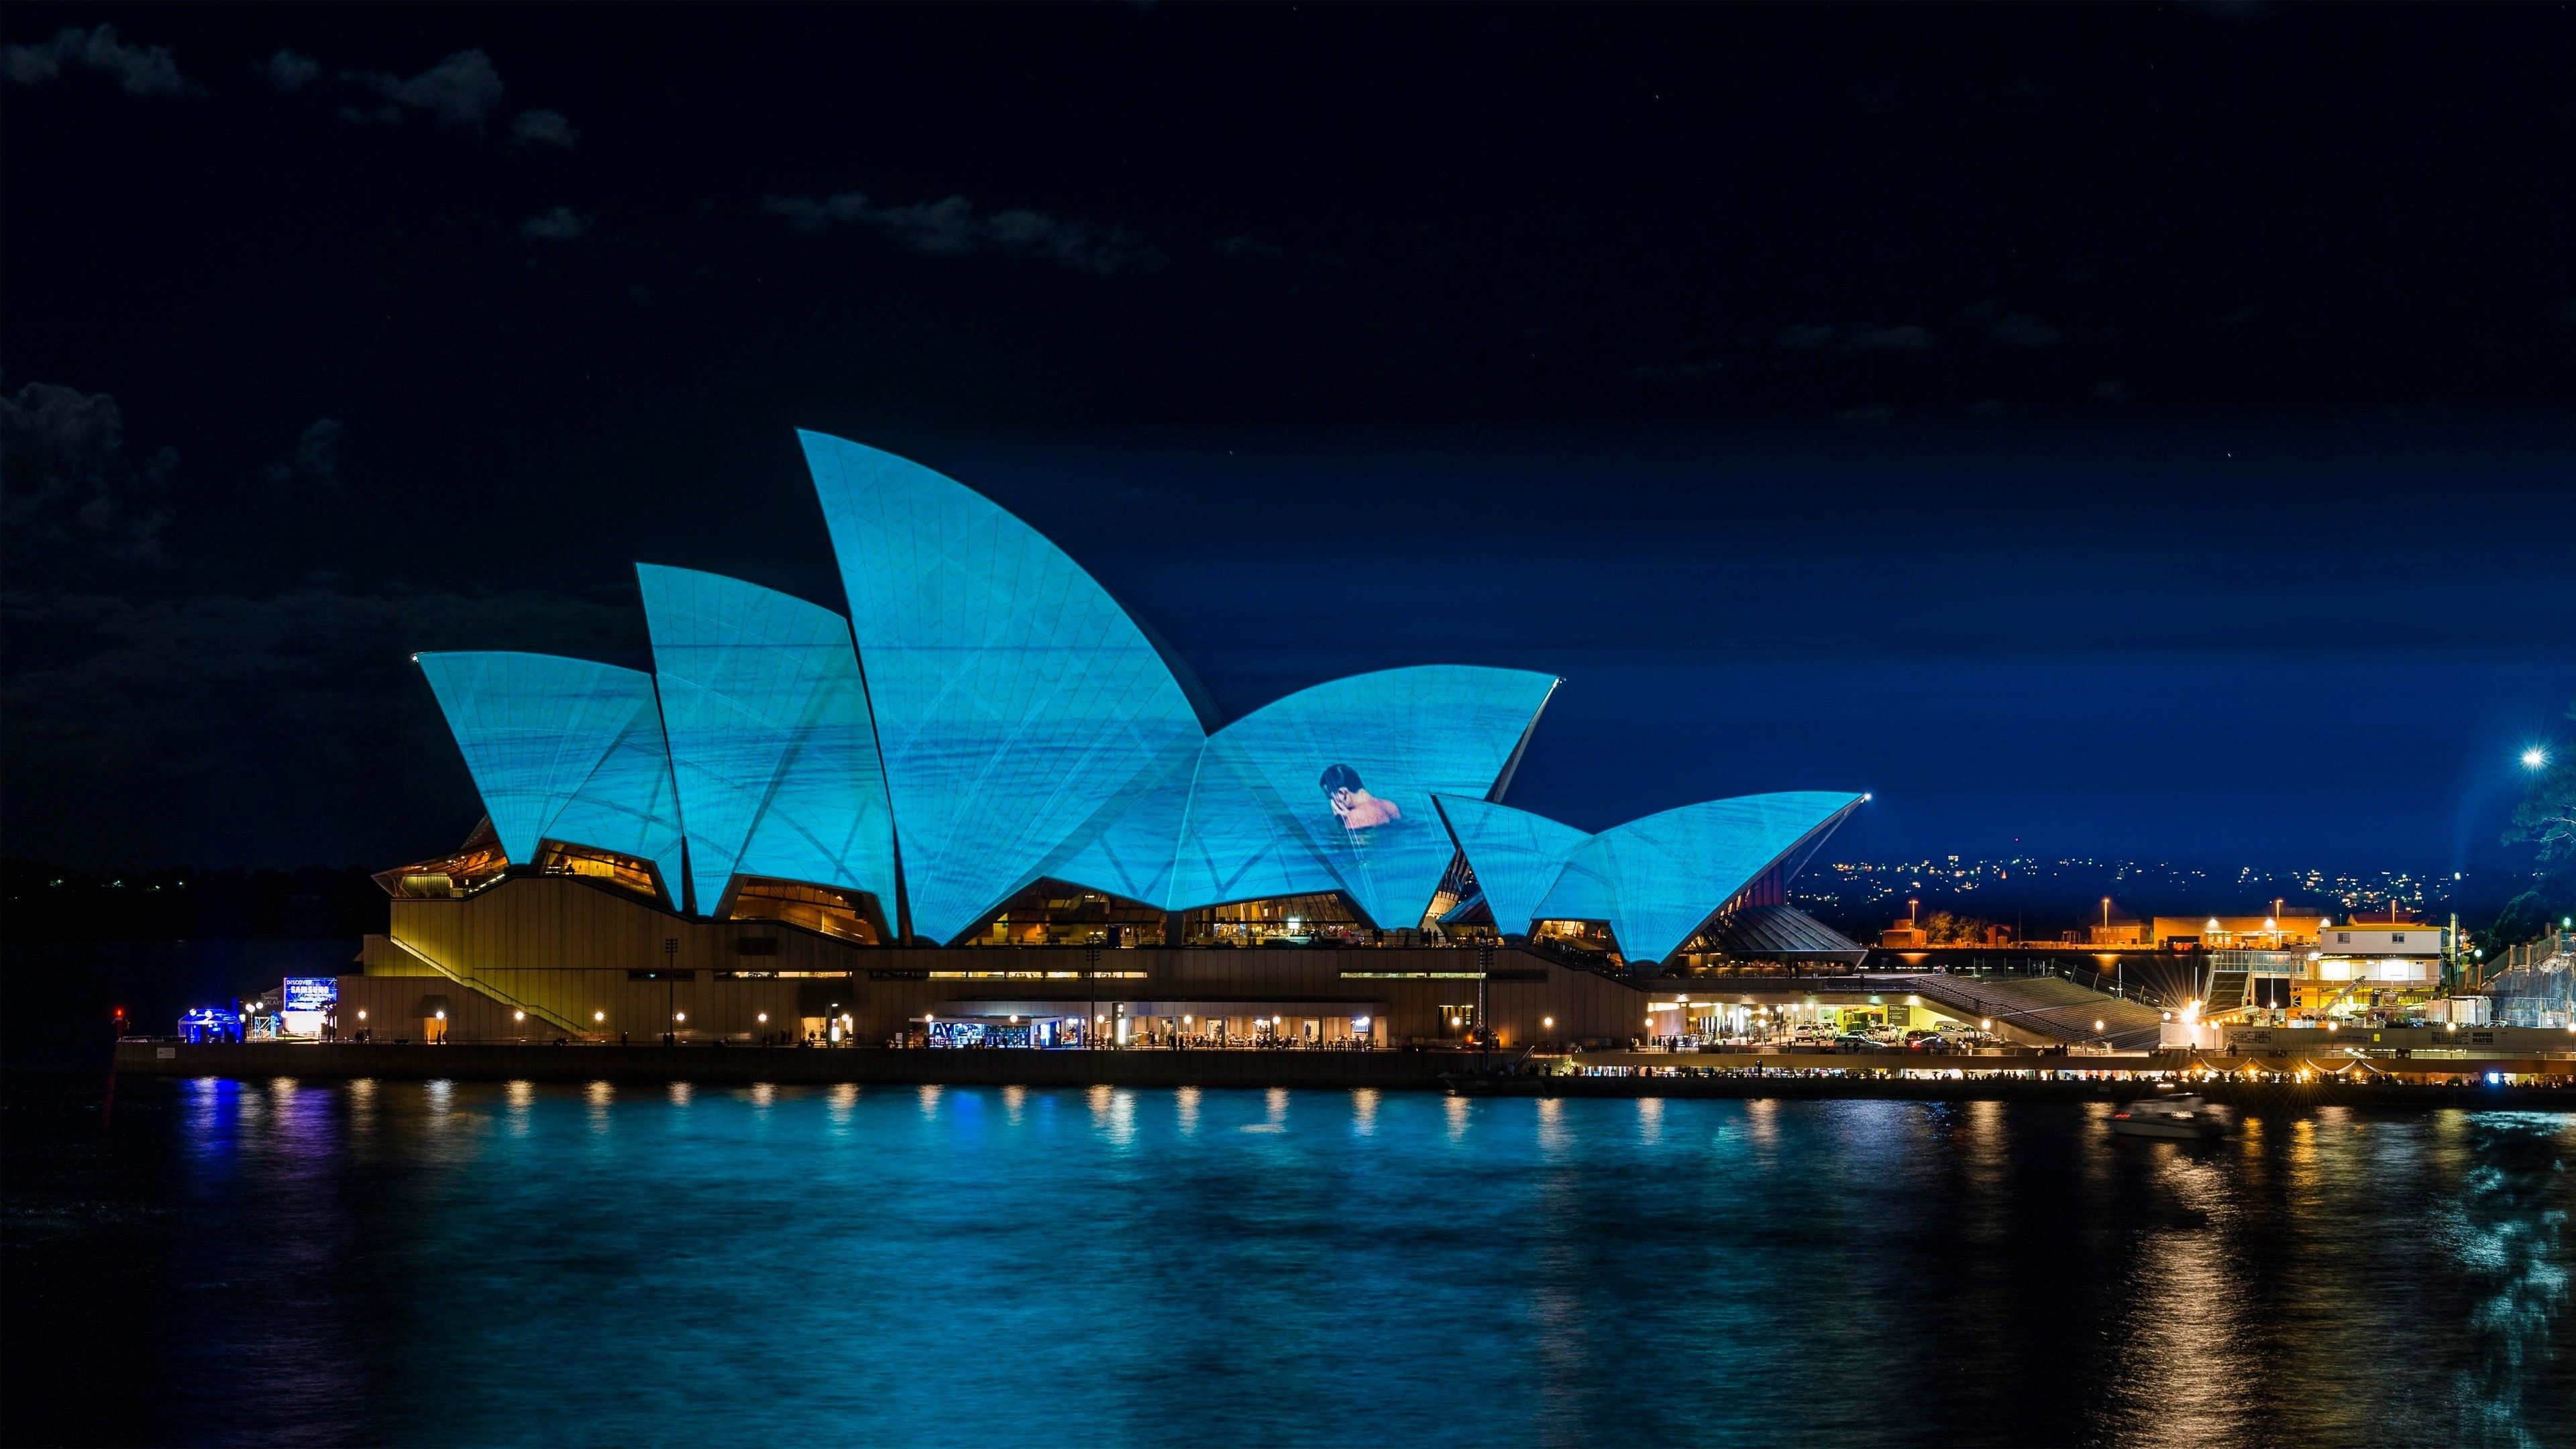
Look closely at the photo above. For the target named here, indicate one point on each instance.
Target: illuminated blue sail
(770, 738)
(1517, 856)
(1657, 880)
(563, 750)
(1330, 788)
(1016, 704)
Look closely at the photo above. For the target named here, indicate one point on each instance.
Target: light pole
(1091, 971)
(1484, 969)
(670, 1000)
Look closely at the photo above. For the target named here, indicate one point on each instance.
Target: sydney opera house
(982, 809)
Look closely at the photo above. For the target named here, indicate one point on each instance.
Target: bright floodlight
(2535, 758)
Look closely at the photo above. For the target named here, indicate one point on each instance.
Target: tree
(2546, 819)
(2547, 815)
(1941, 928)
(2524, 918)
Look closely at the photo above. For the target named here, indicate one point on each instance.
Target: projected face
(1353, 805)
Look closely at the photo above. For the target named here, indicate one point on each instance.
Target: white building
(2396, 955)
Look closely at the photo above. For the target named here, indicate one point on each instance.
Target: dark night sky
(2128, 430)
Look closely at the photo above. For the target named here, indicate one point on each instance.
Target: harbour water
(482, 1264)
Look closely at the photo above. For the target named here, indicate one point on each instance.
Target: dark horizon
(2136, 433)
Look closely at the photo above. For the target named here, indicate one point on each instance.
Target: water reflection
(1553, 1139)
(1118, 1116)
(1264, 1266)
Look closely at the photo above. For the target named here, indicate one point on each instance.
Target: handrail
(485, 987)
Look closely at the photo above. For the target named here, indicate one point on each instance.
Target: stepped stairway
(485, 988)
(2047, 1009)
(2227, 992)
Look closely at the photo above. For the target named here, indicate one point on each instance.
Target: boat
(2186, 1117)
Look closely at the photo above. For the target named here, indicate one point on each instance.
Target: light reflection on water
(580, 1265)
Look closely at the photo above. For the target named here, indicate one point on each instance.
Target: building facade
(988, 752)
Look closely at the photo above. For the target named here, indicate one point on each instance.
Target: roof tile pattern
(563, 750)
(1015, 702)
(1332, 786)
(1656, 880)
(771, 742)
(1517, 856)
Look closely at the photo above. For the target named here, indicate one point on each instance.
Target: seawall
(1798, 1079)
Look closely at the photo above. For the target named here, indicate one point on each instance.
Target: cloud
(316, 461)
(543, 128)
(561, 224)
(462, 90)
(276, 724)
(141, 71)
(1866, 337)
(811, 214)
(2022, 330)
(290, 72)
(1907, 338)
(158, 709)
(951, 228)
(2018, 329)
(942, 228)
(69, 497)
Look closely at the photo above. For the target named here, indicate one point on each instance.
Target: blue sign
(210, 1024)
(978, 1034)
(312, 993)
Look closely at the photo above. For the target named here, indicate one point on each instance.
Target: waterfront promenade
(2535, 1083)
